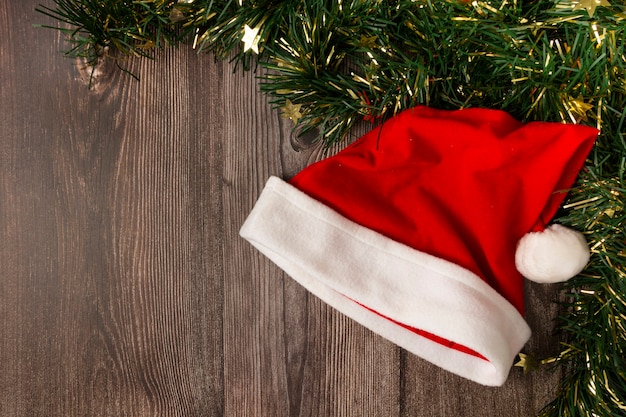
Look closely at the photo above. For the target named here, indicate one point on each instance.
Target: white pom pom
(554, 255)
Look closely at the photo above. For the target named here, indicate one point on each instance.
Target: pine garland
(332, 64)
(594, 322)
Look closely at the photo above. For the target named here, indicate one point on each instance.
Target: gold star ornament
(292, 111)
(528, 363)
(577, 108)
(251, 39)
(368, 42)
(590, 5)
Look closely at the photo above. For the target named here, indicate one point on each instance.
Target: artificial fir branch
(125, 27)
(330, 64)
(594, 319)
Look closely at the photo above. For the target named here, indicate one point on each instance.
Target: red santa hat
(421, 230)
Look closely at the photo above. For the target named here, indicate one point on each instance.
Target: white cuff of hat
(361, 273)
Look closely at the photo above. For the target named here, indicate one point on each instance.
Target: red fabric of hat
(414, 230)
(464, 186)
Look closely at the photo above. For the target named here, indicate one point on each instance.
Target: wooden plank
(112, 298)
(125, 288)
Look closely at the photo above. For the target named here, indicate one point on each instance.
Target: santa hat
(421, 230)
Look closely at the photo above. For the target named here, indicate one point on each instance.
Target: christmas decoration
(430, 262)
(251, 39)
(590, 5)
(347, 61)
(292, 111)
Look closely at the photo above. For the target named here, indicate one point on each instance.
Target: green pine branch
(594, 315)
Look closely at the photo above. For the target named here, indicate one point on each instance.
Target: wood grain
(125, 289)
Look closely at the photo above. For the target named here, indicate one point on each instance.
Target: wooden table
(125, 289)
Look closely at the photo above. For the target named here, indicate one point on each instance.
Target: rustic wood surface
(125, 289)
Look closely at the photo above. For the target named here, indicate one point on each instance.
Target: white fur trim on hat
(387, 286)
(553, 255)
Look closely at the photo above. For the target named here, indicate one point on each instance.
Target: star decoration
(528, 363)
(590, 5)
(578, 107)
(368, 42)
(251, 39)
(176, 15)
(292, 111)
